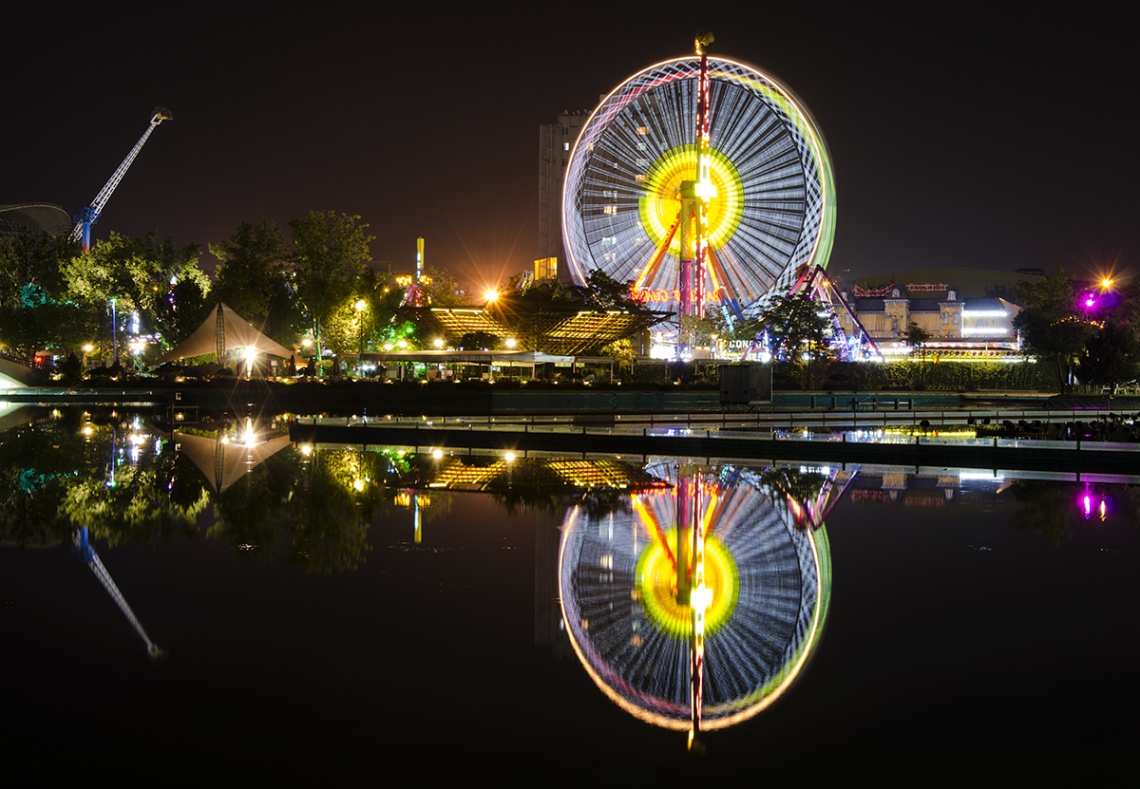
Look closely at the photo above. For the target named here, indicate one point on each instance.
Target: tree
(330, 251)
(916, 337)
(1051, 325)
(347, 327)
(250, 278)
(797, 330)
(1111, 356)
(35, 312)
(441, 288)
(138, 273)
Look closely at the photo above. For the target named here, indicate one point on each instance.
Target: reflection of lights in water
(764, 596)
(1091, 502)
(249, 438)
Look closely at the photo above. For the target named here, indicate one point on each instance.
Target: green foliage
(347, 328)
(478, 341)
(942, 376)
(441, 288)
(916, 337)
(330, 253)
(35, 313)
(1051, 325)
(251, 278)
(701, 331)
(796, 327)
(1111, 356)
(138, 273)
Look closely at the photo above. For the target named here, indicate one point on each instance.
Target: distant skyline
(985, 138)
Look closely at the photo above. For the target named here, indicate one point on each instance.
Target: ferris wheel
(774, 205)
(631, 624)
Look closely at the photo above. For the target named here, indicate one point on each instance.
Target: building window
(565, 146)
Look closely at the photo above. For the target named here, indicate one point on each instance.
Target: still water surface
(334, 615)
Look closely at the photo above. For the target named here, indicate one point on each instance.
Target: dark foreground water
(865, 624)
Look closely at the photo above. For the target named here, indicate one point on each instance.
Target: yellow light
(510, 342)
(306, 450)
(438, 344)
(510, 457)
(88, 348)
(491, 295)
(358, 484)
(437, 454)
(1106, 283)
(360, 305)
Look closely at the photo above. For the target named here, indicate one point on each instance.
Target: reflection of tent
(223, 331)
(224, 463)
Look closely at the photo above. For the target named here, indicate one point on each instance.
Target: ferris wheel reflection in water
(697, 607)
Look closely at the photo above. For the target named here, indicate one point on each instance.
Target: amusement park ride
(90, 214)
(708, 185)
(87, 554)
(415, 296)
(711, 595)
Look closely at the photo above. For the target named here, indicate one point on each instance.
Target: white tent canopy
(223, 331)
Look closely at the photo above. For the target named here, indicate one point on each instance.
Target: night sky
(960, 135)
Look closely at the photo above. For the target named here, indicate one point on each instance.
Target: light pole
(360, 306)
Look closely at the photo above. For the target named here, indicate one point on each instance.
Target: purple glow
(1088, 506)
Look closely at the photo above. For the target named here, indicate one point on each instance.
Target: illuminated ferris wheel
(629, 611)
(772, 211)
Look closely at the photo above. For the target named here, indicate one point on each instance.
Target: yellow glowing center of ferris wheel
(656, 582)
(660, 205)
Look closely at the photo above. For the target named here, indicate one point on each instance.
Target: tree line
(314, 282)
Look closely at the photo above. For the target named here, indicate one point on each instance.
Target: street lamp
(360, 306)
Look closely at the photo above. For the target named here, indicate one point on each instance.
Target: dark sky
(967, 135)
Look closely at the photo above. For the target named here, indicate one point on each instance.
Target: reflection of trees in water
(77, 472)
(317, 509)
(1046, 507)
(58, 478)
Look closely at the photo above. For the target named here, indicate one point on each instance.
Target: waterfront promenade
(904, 428)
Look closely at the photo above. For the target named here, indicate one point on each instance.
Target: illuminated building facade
(958, 307)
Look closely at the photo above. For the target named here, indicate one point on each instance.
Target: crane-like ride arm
(90, 215)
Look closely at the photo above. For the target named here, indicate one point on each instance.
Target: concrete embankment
(713, 444)
(347, 397)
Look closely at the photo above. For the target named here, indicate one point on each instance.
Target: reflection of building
(554, 143)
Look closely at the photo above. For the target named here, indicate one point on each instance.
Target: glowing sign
(649, 295)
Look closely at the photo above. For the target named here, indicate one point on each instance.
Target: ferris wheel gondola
(774, 206)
